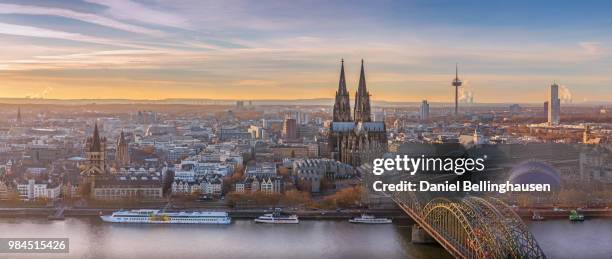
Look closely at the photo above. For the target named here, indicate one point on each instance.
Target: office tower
(290, 129)
(546, 108)
(424, 114)
(515, 109)
(456, 83)
(554, 105)
(18, 115)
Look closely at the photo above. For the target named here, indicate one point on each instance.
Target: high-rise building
(122, 155)
(18, 115)
(457, 83)
(424, 114)
(546, 108)
(289, 129)
(359, 140)
(515, 109)
(554, 105)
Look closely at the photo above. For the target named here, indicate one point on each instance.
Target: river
(91, 238)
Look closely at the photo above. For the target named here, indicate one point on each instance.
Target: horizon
(143, 50)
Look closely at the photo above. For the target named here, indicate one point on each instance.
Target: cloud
(29, 31)
(85, 17)
(591, 48)
(133, 11)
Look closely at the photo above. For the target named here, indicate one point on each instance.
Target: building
(358, 140)
(122, 156)
(263, 184)
(95, 149)
(4, 190)
(314, 171)
(554, 105)
(424, 111)
(127, 187)
(292, 151)
(457, 83)
(100, 184)
(32, 190)
(290, 131)
(260, 170)
(515, 109)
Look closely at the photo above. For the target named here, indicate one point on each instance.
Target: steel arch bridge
(471, 227)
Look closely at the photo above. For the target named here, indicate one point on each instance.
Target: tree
(345, 198)
(296, 198)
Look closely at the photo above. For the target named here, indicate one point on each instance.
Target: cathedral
(355, 139)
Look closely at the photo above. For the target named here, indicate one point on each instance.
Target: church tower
(122, 156)
(342, 106)
(95, 147)
(362, 100)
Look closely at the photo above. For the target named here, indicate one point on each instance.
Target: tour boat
(157, 217)
(278, 218)
(369, 219)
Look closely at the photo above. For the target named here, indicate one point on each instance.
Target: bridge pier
(419, 236)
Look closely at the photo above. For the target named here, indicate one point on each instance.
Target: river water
(91, 238)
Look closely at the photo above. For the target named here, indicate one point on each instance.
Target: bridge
(466, 225)
(471, 227)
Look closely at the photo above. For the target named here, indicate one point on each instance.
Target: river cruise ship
(159, 217)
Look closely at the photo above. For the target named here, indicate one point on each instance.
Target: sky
(508, 51)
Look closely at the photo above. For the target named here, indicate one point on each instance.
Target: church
(100, 183)
(355, 139)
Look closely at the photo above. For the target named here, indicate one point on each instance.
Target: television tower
(456, 83)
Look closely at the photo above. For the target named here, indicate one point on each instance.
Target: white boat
(368, 219)
(157, 217)
(277, 218)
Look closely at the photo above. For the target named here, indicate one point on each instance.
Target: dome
(535, 172)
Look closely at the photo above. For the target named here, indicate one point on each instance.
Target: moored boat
(575, 216)
(158, 217)
(369, 219)
(278, 217)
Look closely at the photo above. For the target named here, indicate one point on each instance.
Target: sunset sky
(508, 51)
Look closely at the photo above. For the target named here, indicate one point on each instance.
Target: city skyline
(508, 53)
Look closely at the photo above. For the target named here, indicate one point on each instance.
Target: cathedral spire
(342, 82)
(95, 142)
(342, 106)
(362, 99)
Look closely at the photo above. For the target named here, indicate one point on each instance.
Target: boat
(161, 217)
(537, 217)
(369, 219)
(575, 216)
(278, 217)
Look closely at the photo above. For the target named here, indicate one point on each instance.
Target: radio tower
(456, 84)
